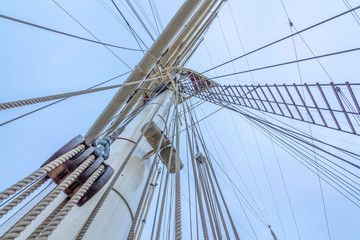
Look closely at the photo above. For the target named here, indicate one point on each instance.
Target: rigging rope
(202, 142)
(46, 106)
(25, 221)
(91, 34)
(22, 196)
(233, 186)
(153, 8)
(354, 14)
(291, 25)
(238, 174)
(290, 62)
(48, 219)
(178, 228)
(199, 197)
(292, 146)
(307, 159)
(158, 229)
(131, 234)
(251, 171)
(284, 38)
(69, 205)
(135, 35)
(44, 170)
(93, 214)
(140, 20)
(112, 13)
(20, 103)
(66, 34)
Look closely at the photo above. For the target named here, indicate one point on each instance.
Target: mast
(111, 175)
(113, 211)
(145, 66)
(115, 216)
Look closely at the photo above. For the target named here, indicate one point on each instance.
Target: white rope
(93, 214)
(178, 228)
(163, 201)
(20, 198)
(198, 192)
(21, 225)
(75, 199)
(20, 103)
(38, 173)
(47, 220)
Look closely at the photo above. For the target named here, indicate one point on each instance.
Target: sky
(34, 62)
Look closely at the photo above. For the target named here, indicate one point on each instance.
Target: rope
(153, 187)
(232, 186)
(222, 197)
(62, 214)
(21, 225)
(47, 220)
(66, 34)
(107, 191)
(148, 199)
(132, 228)
(199, 198)
(90, 33)
(44, 170)
(211, 215)
(163, 201)
(178, 234)
(189, 191)
(30, 101)
(157, 205)
(284, 38)
(141, 201)
(24, 195)
(207, 174)
(290, 62)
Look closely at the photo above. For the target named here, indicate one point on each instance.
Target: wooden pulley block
(74, 187)
(73, 143)
(63, 170)
(97, 185)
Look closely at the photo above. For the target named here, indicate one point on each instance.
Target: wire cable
(354, 14)
(46, 106)
(66, 34)
(135, 35)
(291, 25)
(284, 38)
(91, 33)
(290, 62)
(19, 103)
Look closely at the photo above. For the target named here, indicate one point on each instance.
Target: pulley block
(97, 185)
(99, 149)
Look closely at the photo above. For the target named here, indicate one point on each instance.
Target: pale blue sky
(35, 62)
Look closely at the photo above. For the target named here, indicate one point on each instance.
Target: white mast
(114, 218)
(116, 203)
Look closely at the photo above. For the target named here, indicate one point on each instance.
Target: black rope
(46, 106)
(290, 62)
(91, 34)
(66, 34)
(284, 38)
(135, 35)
